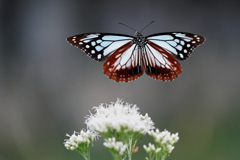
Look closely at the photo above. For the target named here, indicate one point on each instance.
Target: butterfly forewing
(99, 46)
(159, 64)
(125, 64)
(179, 44)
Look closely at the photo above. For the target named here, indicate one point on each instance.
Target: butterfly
(127, 57)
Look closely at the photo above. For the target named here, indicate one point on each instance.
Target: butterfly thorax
(140, 40)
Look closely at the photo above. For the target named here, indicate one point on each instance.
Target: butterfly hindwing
(159, 64)
(125, 64)
(179, 44)
(99, 46)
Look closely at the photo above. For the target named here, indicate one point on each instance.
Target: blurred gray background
(47, 86)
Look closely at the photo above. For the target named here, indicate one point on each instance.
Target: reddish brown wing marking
(159, 64)
(125, 64)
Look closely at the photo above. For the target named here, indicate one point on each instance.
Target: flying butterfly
(127, 56)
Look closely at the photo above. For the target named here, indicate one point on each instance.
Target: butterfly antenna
(146, 26)
(128, 26)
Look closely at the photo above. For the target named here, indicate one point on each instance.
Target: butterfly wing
(125, 64)
(99, 46)
(179, 44)
(160, 64)
(162, 49)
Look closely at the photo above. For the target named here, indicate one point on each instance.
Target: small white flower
(119, 117)
(175, 137)
(114, 146)
(77, 139)
(158, 150)
(164, 139)
(169, 148)
(151, 148)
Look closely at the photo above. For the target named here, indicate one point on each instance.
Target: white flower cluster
(76, 139)
(119, 117)
(115, 147)
(164, 139)
(151, 148)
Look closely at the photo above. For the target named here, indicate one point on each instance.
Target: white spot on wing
(99, 48)
(181, 55)
(99, 56)
(156, 54)
(165, 45)
(128, 63)
(105, 44)
(158, 64)
(114, 38)
(118, 67)
(99, 41)
(117, 55)
(187, 40)
(117, 62)
(180, 35)
(179, 47)
(177, 40)
(93, 43)
(173, 43)
(162, 37)
(91, 36)
(86, 41)
(126, 55)
(114, 46)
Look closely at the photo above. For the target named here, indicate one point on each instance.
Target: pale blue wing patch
(99, 46)
(179, 44)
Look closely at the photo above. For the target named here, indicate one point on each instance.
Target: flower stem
(129, 150)
(163, 157)
(116, 156)
(86, 155)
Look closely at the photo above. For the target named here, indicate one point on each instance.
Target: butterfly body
(127, 57)
(140, 40)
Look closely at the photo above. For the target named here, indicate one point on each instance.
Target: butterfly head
(140, 40)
